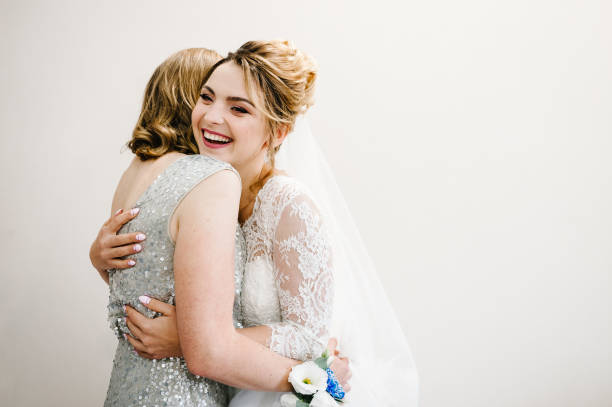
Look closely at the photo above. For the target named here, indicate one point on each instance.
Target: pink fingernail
(135, 211)
(140, 237)
(118, 211)
(131, 262)
(125, 336)
(137, 247)
(144, 299)
(124, 309)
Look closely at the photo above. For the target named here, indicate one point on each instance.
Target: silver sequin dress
(136, 381)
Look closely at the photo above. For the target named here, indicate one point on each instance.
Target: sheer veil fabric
(363, 320)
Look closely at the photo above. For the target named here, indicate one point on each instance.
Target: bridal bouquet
(314, 384)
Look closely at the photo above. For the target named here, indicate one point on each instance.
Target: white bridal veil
(364, 322)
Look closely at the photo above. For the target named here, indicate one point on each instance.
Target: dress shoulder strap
(184, 175)
(170, 188)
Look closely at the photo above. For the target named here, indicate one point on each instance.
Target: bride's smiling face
(226, 123)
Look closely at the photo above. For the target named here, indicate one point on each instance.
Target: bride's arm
(302, 257)
(204, 287)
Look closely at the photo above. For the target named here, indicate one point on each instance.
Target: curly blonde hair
(164, 124)
(280, 79)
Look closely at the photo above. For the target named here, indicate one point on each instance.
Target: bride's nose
(214, 114)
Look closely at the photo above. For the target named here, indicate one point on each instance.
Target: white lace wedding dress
(288, 282)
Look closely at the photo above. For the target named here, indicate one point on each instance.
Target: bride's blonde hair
(280, 79)
(164, 124)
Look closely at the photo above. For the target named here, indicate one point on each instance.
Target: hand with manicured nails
(108, 248)
(153, 338)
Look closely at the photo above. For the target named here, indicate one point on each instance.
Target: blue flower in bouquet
(333, 386)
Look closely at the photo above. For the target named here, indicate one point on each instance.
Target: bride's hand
(340, 365)
(154, 338)
(106, 250)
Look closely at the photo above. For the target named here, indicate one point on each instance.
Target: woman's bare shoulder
(138, 176)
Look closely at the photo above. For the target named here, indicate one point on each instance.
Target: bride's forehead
(227, 78)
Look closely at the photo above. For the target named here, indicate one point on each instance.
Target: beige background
(472, 140)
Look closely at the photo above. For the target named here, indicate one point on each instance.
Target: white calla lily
(308, 378)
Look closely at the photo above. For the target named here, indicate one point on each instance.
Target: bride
(301, 242)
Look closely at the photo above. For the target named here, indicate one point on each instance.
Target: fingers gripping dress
(136, 381)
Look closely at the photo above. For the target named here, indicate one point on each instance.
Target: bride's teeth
(216, 137)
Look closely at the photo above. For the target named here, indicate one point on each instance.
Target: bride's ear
(280, 134)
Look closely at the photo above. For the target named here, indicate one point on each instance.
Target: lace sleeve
(302, 261)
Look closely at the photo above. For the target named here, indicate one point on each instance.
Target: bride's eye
(205, 97)
(239, 109)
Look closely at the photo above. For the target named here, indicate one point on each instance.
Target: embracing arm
(157, 338)
(204, 284)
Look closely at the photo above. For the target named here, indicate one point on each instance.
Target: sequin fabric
(136, 381)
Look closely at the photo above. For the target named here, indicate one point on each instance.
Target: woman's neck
(250, 188)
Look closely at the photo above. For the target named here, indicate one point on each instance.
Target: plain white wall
(472, 141)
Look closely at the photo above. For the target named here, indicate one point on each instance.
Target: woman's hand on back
(154, 338)
(108, 248)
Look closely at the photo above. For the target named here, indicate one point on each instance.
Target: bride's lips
(212, 139)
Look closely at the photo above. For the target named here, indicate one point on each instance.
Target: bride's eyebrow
(239, 99)
(231, 98)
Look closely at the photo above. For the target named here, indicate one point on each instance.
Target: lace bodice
(288, 280)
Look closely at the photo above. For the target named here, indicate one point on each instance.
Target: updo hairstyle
(279, 79)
